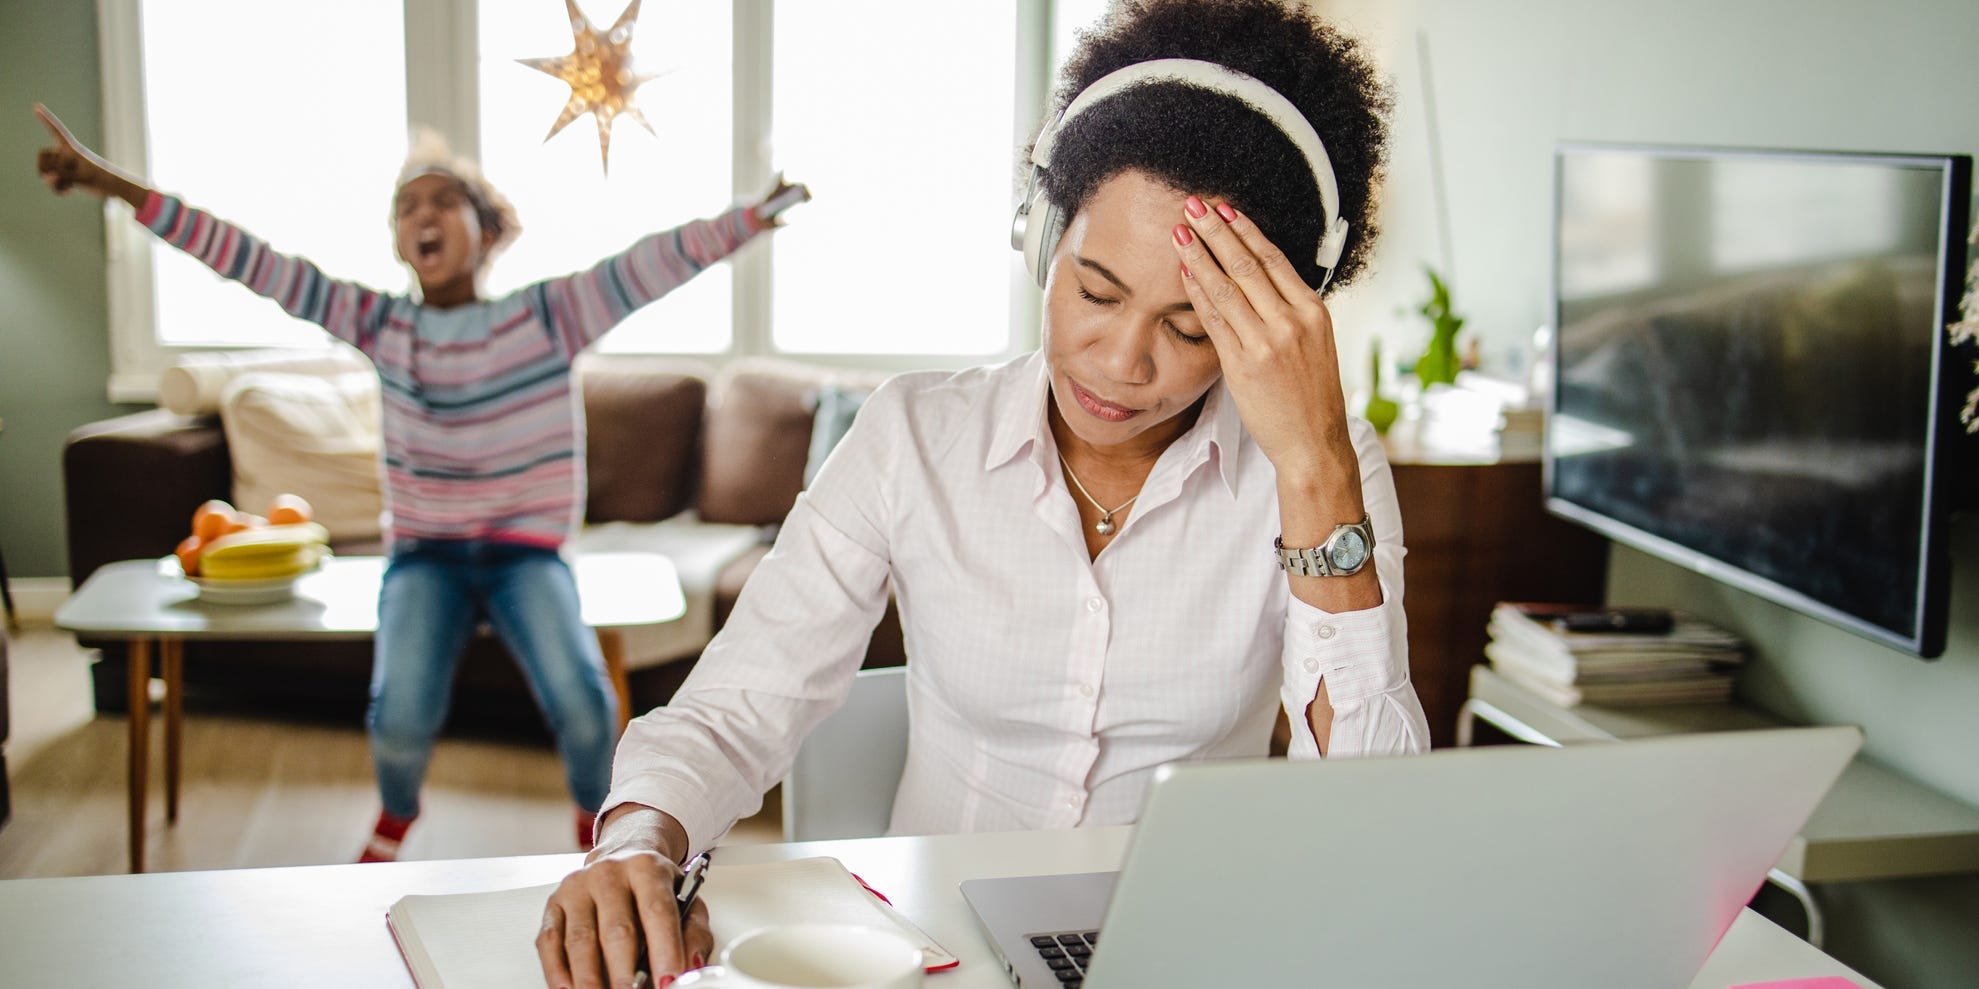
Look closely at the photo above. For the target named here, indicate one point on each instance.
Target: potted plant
(1439, 362)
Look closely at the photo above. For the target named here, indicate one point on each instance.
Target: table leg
(171, 659)
(139, 663)
(613, 648)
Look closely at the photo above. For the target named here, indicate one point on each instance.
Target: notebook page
(473, 939)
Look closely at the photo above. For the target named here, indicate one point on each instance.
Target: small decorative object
(1381, 411)
(1966, 330)
(1439, 362)
(598, 71)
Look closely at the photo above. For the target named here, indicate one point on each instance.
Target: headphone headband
(1202, 75)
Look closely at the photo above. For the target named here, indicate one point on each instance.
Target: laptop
(1617, 865)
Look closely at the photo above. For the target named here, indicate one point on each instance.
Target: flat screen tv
(1752, 374)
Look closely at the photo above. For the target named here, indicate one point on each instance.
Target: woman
(1081, 540)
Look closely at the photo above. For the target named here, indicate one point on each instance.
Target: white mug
(813, 956)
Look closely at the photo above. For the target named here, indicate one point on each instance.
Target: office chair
(843, 781)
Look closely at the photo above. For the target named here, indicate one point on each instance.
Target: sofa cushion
(700, 554)
(837, 405)
(758, 437)
(643, 420)
(309, 435)
(197, 383)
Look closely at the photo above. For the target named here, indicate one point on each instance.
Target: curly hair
(1205, 142)
(431, 155)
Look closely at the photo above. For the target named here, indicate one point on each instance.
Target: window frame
(443, 92)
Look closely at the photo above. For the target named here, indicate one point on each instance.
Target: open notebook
(487, 940)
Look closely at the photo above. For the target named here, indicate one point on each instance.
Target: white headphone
(1037, 227)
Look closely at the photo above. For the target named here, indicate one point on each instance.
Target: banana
(266, 553)
(297, 561)
(266, 540)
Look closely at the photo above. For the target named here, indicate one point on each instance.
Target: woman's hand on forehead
(1273, 335)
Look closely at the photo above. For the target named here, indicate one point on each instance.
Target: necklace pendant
(1105, 525)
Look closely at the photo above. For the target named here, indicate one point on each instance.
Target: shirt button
(1086, 690)
(1324, 631)
(1095, 605)
(1074, 801)
(1312, 665)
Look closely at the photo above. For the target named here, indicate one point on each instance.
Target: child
(484, 444)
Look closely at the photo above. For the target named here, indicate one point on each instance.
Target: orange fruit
(240, 521)
(188, 554)
(211, 520)
(288, 509)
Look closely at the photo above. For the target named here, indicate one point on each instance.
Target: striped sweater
(483, 427)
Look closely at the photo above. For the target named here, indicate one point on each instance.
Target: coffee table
(149, 603)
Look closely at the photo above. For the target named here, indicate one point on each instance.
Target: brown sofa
(664, 436)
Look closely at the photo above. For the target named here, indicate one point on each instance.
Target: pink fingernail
(1183, 236)
(665, 981)
(697, 961)
(1186, 273)
(1223, 210)
(1195, 207)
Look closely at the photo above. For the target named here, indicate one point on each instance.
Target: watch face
(1347, 551)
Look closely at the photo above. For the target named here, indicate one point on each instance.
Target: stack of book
(1572, 655)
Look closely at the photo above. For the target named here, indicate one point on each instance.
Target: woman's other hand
(618, 916)
(1273, 335)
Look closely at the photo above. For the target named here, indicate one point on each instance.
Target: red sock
(587, 822)
(385, 838)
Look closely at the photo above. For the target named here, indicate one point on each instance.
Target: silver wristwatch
(1343, 553)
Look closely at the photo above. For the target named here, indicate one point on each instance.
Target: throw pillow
(310, 435)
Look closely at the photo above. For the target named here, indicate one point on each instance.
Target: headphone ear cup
(1041, 232)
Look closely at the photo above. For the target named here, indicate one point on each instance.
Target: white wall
(1511, 78)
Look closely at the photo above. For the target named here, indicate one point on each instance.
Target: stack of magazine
(1570, 654)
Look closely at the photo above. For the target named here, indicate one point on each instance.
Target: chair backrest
(843, 781)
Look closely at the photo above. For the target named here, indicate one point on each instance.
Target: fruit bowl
(235, 591)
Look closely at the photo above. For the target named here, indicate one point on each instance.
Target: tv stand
(1874, 824)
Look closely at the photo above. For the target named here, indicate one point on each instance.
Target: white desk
(324, 926)
(151, 604)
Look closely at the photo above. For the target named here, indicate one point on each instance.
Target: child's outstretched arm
(350, 312)
(579, 308)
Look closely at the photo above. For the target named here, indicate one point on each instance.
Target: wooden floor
(255, 792)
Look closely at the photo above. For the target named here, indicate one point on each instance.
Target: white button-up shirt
(1044, 686)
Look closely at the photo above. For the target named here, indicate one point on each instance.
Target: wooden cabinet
(1477, 534)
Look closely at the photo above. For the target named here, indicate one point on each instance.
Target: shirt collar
(1022, 424)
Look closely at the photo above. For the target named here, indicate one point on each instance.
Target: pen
(690, 884)
(684, 891)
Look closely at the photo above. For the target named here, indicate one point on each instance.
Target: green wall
(54, 347)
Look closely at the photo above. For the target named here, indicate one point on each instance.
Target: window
(574, 212)
(901, 260)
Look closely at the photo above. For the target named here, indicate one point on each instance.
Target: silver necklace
(1105, 525)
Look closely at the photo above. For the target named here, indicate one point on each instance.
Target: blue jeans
(435, 593)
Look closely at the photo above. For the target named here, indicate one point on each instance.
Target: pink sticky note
(1819, 982)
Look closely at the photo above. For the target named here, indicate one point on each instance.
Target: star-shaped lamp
(599, 73)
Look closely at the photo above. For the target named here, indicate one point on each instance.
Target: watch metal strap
(1311, 561)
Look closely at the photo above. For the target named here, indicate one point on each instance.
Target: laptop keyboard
(1068, 954)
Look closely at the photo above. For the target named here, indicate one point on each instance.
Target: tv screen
(1752, 374)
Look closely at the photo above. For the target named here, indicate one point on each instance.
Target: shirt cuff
(1352, 651)
(683, 800)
